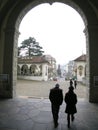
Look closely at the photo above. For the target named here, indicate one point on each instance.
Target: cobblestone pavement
(41, 89)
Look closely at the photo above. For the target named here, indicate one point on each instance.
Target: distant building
(69, 70)
(80, 67)
(52, 70)
(34, 67)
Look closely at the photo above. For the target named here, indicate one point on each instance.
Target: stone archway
(10, 33)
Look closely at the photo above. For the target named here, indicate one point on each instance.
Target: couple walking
(56, 99)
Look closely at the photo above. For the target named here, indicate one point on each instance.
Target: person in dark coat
(56, 99)
(75, 83)
(71, 82)
(71, 101)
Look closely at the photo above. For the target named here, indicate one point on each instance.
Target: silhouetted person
(75, 83)
(71, 82)
(56, 98)
(71, 101)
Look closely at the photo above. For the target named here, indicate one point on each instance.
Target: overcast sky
(58, 28)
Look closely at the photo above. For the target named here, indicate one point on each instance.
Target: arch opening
(85, 23)
(11, 34)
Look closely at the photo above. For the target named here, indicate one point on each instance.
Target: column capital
(12, 30)
(91, 29)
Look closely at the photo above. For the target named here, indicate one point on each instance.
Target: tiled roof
(49, 57)
(81, 58)
(34, 59)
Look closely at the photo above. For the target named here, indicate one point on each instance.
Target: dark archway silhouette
(12, 14)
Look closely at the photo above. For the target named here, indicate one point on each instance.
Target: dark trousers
(68, 118)
(55, 112)
(75, 85)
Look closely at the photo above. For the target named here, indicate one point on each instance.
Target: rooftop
(32, 59)
(81, 58)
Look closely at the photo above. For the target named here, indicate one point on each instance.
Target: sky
(59, 30)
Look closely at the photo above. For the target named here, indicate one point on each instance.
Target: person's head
(71, 88)
(57, 85)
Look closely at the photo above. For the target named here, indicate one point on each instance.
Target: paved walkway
(33, 112)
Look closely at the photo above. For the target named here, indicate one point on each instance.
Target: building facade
(69, 70)
(80, 68)
(35, 68)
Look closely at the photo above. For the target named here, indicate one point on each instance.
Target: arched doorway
(10, 33)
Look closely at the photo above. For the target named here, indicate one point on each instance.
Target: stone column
(92, 61)
(10, 60)
(44, 72)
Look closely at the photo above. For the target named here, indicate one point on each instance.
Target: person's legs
(72, 117)
(55, 111)
(68, 119)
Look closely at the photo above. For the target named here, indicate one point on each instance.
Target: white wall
(80, 77)
(36, 78)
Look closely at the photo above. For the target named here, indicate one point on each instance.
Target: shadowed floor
(31, 109)
(35, 114)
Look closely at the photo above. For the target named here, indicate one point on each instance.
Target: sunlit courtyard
(40, 89)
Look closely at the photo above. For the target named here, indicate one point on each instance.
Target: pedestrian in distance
(75, 83)
(71, 82)
(56, 99)
(71, 101)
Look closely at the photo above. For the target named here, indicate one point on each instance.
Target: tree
(31, 47)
